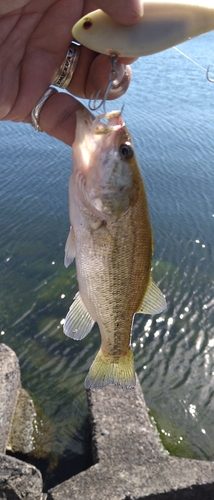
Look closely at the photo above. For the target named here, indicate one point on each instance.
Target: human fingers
(123, 11)
(57, 116)
(92, 76)
(10, 5)
(99, 75)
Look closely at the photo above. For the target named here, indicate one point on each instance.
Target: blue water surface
(169, 110)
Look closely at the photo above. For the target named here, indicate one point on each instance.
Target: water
(169, 110)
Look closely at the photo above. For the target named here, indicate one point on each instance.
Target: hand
(34, 38)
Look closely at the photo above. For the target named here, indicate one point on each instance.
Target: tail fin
(106, 370)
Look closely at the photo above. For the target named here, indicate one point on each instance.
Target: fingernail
(137, 6)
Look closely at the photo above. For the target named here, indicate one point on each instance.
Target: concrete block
(9, 390)
(130, 462)
(19, 480)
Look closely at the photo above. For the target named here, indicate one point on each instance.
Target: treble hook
(112, 77)
(207, 75)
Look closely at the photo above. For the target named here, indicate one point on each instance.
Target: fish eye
(87, 24)
(126, 151)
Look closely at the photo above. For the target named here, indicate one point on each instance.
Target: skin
(34, 37)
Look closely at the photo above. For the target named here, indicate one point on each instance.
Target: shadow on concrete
(200, 492)
(56, 469)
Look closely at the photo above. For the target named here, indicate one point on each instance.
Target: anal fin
(154, 301)
(78, 322)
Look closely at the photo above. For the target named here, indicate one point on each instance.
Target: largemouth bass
(111, 240)
(164, 24)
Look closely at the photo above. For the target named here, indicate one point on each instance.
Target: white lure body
(163, 25)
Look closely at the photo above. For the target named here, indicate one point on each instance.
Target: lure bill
(163, 25)
(111, 241)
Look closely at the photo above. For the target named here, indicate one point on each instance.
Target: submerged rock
(30, 433)
(9, 389)
(21, 437)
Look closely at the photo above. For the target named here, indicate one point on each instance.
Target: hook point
(208, 77)
(113, 75)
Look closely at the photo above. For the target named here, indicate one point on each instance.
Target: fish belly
(113, 262)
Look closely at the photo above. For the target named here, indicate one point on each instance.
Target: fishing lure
(163, 25)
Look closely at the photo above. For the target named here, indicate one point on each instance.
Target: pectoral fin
(70, 248)
(154, 301)
(78, 322)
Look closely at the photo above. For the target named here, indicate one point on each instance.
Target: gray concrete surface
(9, 390)
(130, 462)
(19, 481)
(21, 439)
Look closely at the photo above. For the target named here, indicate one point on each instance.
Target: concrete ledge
(131, 463)
(9, 390)
(19, 481)
(129, 460)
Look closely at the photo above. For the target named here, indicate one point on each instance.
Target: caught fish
(164, 24)
(111, 240)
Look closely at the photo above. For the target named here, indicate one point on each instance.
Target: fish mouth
(95, 136)
(107, 123)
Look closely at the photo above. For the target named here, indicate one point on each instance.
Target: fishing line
(190, 59)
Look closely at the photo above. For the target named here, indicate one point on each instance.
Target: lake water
(169, 110)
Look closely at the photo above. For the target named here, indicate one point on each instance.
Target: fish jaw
(89, 132)
(106, 182)
(163, 25)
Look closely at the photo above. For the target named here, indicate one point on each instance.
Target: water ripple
(169, 110)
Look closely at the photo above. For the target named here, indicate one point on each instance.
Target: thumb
(123, 11)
